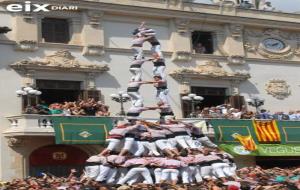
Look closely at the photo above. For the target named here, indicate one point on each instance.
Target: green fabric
(263, 150)
(81, 130)
(280, 179)
(290, 131)
(224, 128)
(52, 111)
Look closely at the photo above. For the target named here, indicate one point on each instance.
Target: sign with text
(263, 150)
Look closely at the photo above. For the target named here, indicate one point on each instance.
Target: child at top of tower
(143, 31)
(148, 34)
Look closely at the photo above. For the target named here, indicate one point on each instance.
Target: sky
(281, 5)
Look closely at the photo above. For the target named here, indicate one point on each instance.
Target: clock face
(273, 44)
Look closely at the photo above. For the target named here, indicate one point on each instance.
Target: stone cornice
(61, 60)
(193, 11)
(211, 70)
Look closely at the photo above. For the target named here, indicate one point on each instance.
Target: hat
(94, 159)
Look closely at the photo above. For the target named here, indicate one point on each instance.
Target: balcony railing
(30, 125)
(41, 125)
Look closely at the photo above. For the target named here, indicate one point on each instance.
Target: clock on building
(273, 45)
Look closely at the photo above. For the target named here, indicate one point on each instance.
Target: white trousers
(185, 175)
(157, 175)
(195, 173)
(138, 52)
(144, 172)
(169, 174)
(107, 174)
(151, 147)
(128, 143)
(218, 169)
(159, 70)
(206, 171)
(113, 144)
(162, 94)
(136, 97)
(182, 141)
(156, 49)
(137, 149)
(207, 142)
(172, 143)
(163, 144)
(121, 174)
(230, 170)
(92, 171)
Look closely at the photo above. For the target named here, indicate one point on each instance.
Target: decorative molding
(61, 60)
(93, 50)
(210, 70)
(278, 89)
(95, 18)
(15, 142)
(221, 38)
(236, 30)
(235, 59)
(27, 17)
(182, 56)
(297, 51)
(184, 88)
(26, 45)
(182, 25)
(260, 48)
(91, 81)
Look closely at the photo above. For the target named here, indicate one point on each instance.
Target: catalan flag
(247, 141)
(266, 131)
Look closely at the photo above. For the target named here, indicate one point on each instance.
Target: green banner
(290, 131)
(224, 128)
(263, 150)
(81, 130)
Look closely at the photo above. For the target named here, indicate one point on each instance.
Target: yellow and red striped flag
(266, 131)
(247, 141)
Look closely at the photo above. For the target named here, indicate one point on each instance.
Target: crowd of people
(249, 178)
(248, 4)
(226, 111)
(88, 107)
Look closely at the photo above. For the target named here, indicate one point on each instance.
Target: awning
(263, 150)
(81, 130)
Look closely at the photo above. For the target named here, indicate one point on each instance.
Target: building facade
(222, 52)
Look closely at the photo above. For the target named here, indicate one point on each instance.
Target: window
(202, 42)
(212, 97)
(55, 30)
(55, 91)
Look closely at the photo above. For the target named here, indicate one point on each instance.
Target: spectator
(199, 48)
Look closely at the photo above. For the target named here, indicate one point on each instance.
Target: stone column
(75, 30)
(93, 34)
(25, 29)
(234, 45)
(181, 40)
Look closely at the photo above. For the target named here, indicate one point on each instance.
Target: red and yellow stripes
(247, 141)
(266, 131)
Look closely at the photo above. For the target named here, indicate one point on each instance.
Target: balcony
(41, 125)
(29, 125)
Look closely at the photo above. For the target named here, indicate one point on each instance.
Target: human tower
(139, 151)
